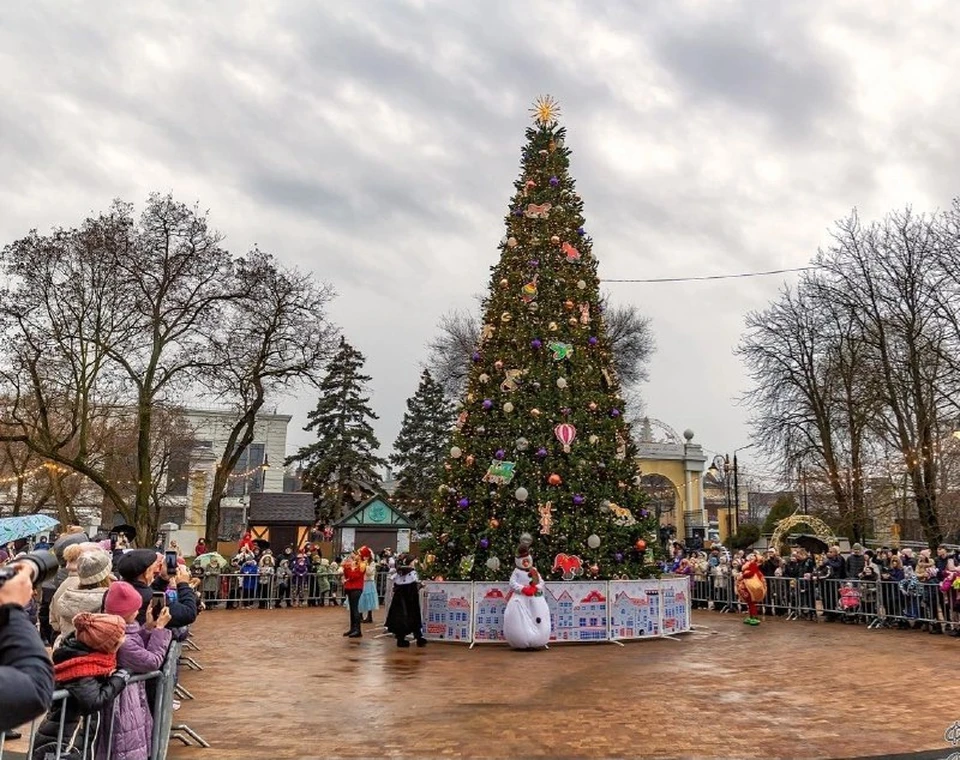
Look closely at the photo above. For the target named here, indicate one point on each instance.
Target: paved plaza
(285, 684)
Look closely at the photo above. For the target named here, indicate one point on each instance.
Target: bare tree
(279, 339)
(448, 358)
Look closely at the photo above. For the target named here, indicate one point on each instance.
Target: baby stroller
(850, 600)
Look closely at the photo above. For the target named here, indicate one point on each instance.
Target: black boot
(402, 643)
(354, 635)
(368, 618)
(421, 642)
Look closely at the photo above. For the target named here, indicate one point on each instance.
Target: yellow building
(671, 473)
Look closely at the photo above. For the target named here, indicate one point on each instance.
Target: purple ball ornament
(593, 340)
(581, 232)
(578, 499)
(518, 211)
(487, 404)
(644, 513)
(618, 557)
(484, 543)
(500, 454)
(536, 344)
(614, 412)
(463, 503)
(476, 356)
(541, 453)
(554, 182)
(534, 263)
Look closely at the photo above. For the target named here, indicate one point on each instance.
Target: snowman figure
(526, 620)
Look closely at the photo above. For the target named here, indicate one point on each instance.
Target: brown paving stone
(285, 684)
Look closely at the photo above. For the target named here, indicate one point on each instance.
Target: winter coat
(211, 580)
(71, 582)
(249, 572)
(142, 652)
(26, 675)
(89, 693)
(855, 563)
(353, 576)
(299, 571)
(183, 609)
(73, 601)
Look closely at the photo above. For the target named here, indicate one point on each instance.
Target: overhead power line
(713, 276)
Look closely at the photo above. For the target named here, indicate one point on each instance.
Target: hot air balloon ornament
(565, 433)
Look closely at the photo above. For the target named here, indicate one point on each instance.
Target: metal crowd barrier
(876, 604)
(266, 591)
(94, 734)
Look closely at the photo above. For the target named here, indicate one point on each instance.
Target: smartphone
(171, 561)
(113, 541)
(157, 604)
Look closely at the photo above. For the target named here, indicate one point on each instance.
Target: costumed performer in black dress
(403, 617)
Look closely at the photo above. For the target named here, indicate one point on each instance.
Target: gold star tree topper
(545, 110)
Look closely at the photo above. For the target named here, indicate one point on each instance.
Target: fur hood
(74, 601)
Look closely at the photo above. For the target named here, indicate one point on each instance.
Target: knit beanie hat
(102, 633)
(122, 599)
(134, 563)
(93, 567)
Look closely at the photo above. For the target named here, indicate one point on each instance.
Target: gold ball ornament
(555, 240)
(494, 522)
(594, 439)
(552, 327)
(506, 316)
(511, 242)
(504, 283)
(534, 412)
(470, 397)
(574, 321)
(582, 284)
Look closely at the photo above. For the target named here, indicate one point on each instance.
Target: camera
(43, 566)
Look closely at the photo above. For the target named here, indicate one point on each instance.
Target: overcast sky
(376, 143)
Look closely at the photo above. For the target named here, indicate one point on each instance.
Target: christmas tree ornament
(546, 110)
(554, 479)
(614, 412)
(582, 284)
(593, 541)
(493, 563)
(569, 565)
(536, 344)
(466, 565)
(573, 321)
(507, 407)
(506, 316)
(581, 232)
(592, 340)
(541, 453)
(546, 517)
(555, 239)
(568, 305)
(475, 356)
(565, 433)
(498, 364)
(462, 419)
(486, 332)
(484, 543)
(470, 398)
(504, 283)
(521, 444)
(592, 406)
(494, 523)
(511, 242)
(534, 412)
(529, 291)
(455, 452)
(594, 570)
(484, 378)
(512, 380)
(552, 327)
(560, 350)
(521, 494)
(594, 438)
(578, 498)
(571, 253)
(538, 210)
(605, 505)
(618, 557)
(487, 404)
(500, 473)
(463, 503)
(585, 314)
(640, 545)
(561, 382)
(554, 182)
(469, 460)
(500, 454)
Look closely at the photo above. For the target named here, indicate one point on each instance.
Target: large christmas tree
(541, 444)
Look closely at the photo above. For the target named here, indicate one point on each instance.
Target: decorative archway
(788, 525)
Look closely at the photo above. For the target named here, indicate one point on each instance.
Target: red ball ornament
(554, 479)
(568, 304)
(494, 522)
(594, 570)
(641, 545)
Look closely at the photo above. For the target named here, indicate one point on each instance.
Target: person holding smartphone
(26, 673)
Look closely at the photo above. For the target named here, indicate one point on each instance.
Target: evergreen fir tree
(341, 468)
(541, 444)
(421, 446)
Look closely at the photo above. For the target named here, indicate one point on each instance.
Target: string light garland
(700, 278)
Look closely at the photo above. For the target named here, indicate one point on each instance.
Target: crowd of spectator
(896, 587)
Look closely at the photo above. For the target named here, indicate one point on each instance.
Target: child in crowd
(283, 583)
(323, 581)
(85, 664)
(249, 572)
(267, 571)
(369, 600)
(142, 651)
(211, 583)
(300, 571)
